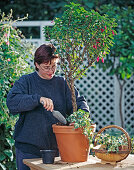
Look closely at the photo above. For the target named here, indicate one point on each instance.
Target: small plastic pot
(48, 156)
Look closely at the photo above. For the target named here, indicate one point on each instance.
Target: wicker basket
(113, 157)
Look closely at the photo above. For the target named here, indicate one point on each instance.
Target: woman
(33, 130)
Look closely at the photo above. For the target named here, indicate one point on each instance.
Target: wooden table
(93, 163)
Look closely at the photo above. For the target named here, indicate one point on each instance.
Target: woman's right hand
(47, 103)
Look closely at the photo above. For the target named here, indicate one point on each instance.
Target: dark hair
(44, 54)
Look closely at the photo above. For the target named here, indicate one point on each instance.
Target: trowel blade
(59, 116)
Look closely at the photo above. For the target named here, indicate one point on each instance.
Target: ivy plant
(111, 143)
(132, 144)
(81, 119)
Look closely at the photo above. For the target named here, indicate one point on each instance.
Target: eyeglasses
(48, 68)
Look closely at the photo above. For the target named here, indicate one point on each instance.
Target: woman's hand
(47, 103)
(71, 124)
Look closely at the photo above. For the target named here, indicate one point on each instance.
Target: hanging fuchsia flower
(86, 16)
(8, 59)
(94, 46)
(102, 30)
(98, 59)
(105, 27)
(112, 32)
(97, 42)
(103, 44)
(102, 60)
(6, 35)
(104, 52)
(7, 43)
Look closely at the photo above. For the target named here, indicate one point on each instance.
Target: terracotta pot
(73, 145)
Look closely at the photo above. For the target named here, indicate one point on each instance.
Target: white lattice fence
(129, 105)
(100, 91)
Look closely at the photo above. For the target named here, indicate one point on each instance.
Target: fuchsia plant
(82, 37)
(13, 55)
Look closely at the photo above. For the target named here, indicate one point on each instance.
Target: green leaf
(9, 153)
(2, 157)
(123, 74)
(128, 76)
(3, 167)
(10, 141)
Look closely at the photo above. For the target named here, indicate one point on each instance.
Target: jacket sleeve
(81, 102)
(18, 99)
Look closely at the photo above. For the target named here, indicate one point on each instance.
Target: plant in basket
(82, 38)
(112, 148)
(132, 143)
(112, 143)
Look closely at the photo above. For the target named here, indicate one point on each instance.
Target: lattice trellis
(129, 105)
(100, 90)
(99, 93)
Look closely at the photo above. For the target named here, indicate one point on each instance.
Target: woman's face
(47, 70)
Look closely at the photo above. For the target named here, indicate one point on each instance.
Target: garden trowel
(58, 115)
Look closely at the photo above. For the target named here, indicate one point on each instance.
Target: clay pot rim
(69, 127)
(63, 126)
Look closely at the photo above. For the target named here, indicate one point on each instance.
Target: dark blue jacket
(33, 130)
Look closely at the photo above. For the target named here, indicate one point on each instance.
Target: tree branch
(77, 76)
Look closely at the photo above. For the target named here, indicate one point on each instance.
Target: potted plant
(112, 148)
(81, 37)
(73, 141)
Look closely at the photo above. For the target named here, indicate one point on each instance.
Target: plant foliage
(111, 143)
(121, 59)
(13, 55)
(82, 37)
(81, 119)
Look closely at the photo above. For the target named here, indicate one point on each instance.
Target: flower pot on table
(48, 156)
(73, 145)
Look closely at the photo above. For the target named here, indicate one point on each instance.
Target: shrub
(13, 55)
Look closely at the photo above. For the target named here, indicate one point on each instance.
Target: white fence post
(117, 99)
